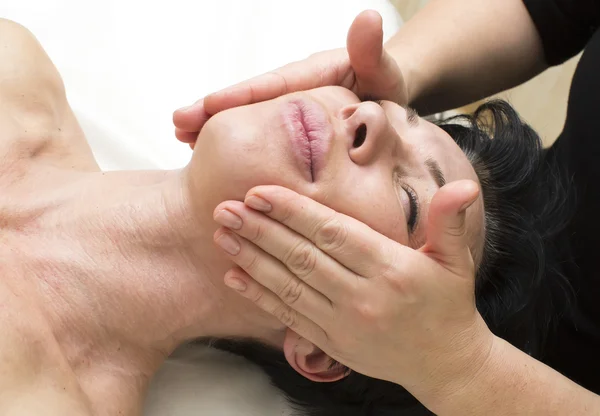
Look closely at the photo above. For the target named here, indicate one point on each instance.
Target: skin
(364, 67)
(425, 64)
(370, 189)
(447, 55)
(104, 274)
(368, 308)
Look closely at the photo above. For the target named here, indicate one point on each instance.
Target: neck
(128, 273)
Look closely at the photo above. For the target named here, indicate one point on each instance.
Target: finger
(186, 136)
(266, 300)
(349, 241)
(192, 118)
(377, 73)
(273, 275)
(300, 256)
(318, 70)
(365, 43)
(447, 234)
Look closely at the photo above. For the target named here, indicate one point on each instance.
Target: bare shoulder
(36, 121)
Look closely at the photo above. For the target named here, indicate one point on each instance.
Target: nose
(368, 131)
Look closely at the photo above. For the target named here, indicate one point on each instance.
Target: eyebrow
(412, 117)
(435, 171)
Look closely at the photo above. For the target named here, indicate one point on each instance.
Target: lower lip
(309, 130)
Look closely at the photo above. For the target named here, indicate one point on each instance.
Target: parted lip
(310, 133)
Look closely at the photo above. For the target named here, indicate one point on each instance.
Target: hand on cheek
(393, 313)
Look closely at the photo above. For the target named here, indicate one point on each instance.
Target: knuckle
(402, 279)
(291, 292)
(400, 285)
(257, 297)
(301, 259)
(287, 316)
(401, 267)
(258, 234)
(389, 266)
(331, 235)
(368, 312)
(253, 93)
(252, 264)
(456, 230)
(284, 84)
(286, 214)
(322, 75)
(408, 289)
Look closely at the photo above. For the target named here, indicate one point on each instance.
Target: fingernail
(228, 219)
(228, 243)
(258, 204)
(187, 107)
(235, 283)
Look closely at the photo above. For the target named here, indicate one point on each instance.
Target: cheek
(372, 201)
(219, 161)
(233, 155)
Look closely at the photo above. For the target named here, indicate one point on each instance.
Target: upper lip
(310, 131)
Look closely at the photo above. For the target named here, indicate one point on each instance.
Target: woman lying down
(105, 274)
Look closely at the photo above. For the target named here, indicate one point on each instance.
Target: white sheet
(128, 64)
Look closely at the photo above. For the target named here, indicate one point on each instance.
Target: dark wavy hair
(520, 290)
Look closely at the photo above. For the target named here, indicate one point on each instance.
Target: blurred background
(541, 101)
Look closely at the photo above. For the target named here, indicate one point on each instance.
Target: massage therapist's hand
(381, 308)
(365, 68)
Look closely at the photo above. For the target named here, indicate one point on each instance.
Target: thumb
(447, 237)
(377, 73)
(365, 43)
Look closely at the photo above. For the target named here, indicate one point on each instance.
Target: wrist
(463, 393)
(511, 382)
(453, 373)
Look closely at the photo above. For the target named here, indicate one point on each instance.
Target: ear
(308, 360)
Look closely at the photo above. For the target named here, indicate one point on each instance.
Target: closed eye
(413, 200)
(409, 200)
(411, 222)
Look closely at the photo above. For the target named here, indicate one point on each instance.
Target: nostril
(360, 135)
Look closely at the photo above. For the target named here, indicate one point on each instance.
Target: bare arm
(512, 383)
(454, 52)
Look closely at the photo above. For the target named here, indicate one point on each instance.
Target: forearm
(511, 383)
(454, 52)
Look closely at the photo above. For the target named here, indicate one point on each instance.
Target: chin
(226, 164)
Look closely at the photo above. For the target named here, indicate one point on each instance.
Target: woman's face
(375, 162)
